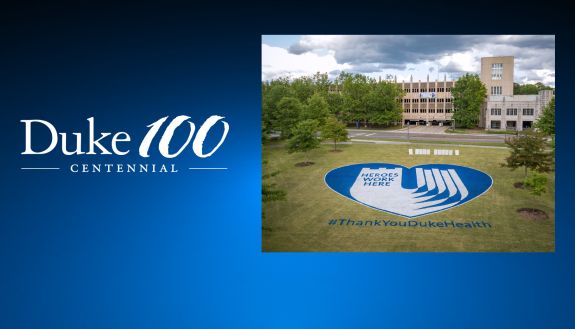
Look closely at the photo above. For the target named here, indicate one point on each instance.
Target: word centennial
(108, 143)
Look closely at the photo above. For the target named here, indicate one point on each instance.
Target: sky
(406, 55)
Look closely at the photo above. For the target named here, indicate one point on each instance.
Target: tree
(334, 130)
(316, 109)
(321, 83)
(383, 103)
(304, 137)
(529, 89)
(355, 88)
(546, 122)
(272, 93)
(537, 183)
(468, 96)
(529, 150)
(303, 88)
(288, 115)
(335, 103)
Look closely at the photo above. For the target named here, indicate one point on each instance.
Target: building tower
(497, 75)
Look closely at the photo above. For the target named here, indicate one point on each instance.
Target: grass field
(300, 223)
(480, 131)
(428, 142)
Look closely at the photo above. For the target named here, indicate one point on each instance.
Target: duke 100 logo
(409, 192)
(107, 143)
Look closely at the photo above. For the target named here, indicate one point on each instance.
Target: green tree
(304, 137)
(303, 88)
(529, 89)
(536, 183)
(530, 151)
(334, 130)
(288, 115)
(546, 122)
(272, 93)
(321, 83)
(355, 88)
(335, 103)
(468, 96)
(316, 109)
(383, 103)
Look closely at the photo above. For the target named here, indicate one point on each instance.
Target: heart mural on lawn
(408, 192)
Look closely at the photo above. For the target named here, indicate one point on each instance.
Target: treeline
(350, 98)
(529, 89)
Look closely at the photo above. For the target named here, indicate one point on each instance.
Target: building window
(414, 110)
(512, 125)
(496, 90)
(448, 111)
(511, 111)
(422, 111)
(415, 100)
(496, 71)
(439, 110)
(495, 124)
(448, 90)
(431, 110)
(424, 100)
(431, 90)
(495, 111)
(414, 90)
(527, 111)
(423, 90)
(406, 110)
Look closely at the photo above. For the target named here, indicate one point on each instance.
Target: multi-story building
(503, 110)
(428, 103)
(431, 102)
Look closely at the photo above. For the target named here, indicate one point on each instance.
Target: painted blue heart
(408, 192)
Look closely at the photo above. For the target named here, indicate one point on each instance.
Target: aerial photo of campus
(408, 143)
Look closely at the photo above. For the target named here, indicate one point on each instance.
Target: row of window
(512, 111)
(425, 90)
(497, 71)
(426, 111)
(508, 124)
(426, 100)
(496, 90)
(512, 125)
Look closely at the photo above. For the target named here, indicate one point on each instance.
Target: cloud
(429, 54)
(278, 62)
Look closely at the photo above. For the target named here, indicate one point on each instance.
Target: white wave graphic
(436, 190)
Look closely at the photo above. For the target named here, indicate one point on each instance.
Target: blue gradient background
(183, 251)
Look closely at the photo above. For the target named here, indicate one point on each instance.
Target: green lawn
(480, 131)
(300, 223)
(428, 142)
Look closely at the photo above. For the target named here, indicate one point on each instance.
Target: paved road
(403, 135)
